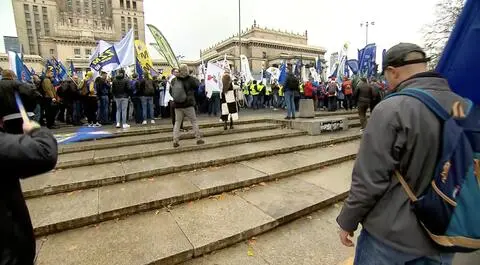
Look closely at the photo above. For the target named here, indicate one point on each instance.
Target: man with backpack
(332, 89)
(182, 91)
(397, 158)
(347, 88)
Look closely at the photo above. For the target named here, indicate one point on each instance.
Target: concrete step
(54, 213)
(116, 154)
(71, 179)
(312, 239)
(176, 234)
(158, 137)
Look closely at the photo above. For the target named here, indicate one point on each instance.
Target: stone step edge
(138, 155)
(174, 169)
(157, 204)
(67, 149)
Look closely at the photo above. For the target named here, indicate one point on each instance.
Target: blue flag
(353, 65)
(82, 134)
(107, 57)
(298, 68)
(71, 70)
(372, 67)
(367, 60)
(283, 74)
(139, 69)
(319, 65)
(50, 66)
(459, 61)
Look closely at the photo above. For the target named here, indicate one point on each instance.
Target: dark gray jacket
(364, 93)
(403, 134)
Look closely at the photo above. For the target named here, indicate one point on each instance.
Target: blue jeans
(370, 251)
(77, 111)
(122, 104)
(147, 104)
(103, 109)
(37, 111)
(249, 101)
(290, 102)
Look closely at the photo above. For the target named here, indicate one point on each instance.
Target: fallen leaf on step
(71, 248)
(157, 212)
(70, 193)
(309, 217)
(263, 184)
(250, 252)
(151, 179)
(332, 145)
(190, 204)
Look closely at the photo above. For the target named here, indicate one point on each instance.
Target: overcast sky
(191, 25)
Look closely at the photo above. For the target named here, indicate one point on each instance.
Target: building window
(129, 19)
(135, 21)
(26, 7)
(32, 48)
(134, 5)
(76, 51)
(37, 25)
(136, 34)
(44, 10)
(95, 23)
(47, 32)
(88, 51)
(264, 55)
(36, 17)
(52, 51)
(121, 3)
(128, 4)
(122, 19)
(45, 18)
(29, 32)
(35, 8)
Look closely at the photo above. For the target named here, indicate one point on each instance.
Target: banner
(368, 56)
(459, 61)
(71, 70)
(163, 46)
(213, 80)
(353, 65)
(318, 65)
(143, 57)
(18, 67)
(283, 74)
(246, 74)
(109, 56)
(62, 72)
(139, 69)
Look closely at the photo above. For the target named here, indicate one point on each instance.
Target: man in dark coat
(36, 148)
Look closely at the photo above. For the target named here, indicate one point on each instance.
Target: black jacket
(120, 87)
(21, 156)
(146, 88)
(292, 83)
(190, 85)
(28, 93)
(364, 93)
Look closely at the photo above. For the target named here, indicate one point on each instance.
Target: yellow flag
(143, 57)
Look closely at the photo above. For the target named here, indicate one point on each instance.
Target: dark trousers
(137, 109)
(214, 104)
(362, 113)
(51, 110)
(91, 107)
(373, 104)
(76, 112)
(348, 102)
(332, 103)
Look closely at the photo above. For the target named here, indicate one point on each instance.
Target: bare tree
(436, 34)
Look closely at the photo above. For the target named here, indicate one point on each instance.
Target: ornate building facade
(265, 47)
(70, 29)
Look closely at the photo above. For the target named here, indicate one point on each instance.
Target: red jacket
(308, 89)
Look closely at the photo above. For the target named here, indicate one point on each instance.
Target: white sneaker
(97, 125)
(361, 130)
(90, 125)
(126, 126)
(118, 125)
(144, 123)
(152, 121)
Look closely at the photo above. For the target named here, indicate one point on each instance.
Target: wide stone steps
(115, 154)
(54, 213)
(176, 234)
(85, 177)
(117, 140)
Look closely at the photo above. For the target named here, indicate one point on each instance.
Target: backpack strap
(426, 99)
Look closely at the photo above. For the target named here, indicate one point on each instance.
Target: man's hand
(54, 99)
(29, 126)
(344, 238)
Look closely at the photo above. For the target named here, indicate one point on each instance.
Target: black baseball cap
(396, 56)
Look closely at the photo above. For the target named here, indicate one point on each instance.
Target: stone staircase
(134, 199)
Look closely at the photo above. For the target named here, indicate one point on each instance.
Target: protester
(146, 93)
(364, 99)
(404, 135)
(120, 90)
(332, 90)
(21, 156)
(183, 94)
(91, 104)
(50, 100)
(291, 85)
(229, 101)
(347, 88)
(102, 88)
(169, 99)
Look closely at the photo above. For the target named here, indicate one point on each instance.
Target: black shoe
(293, 118)
(225, 127)
(199, 142)
(175, 145)
(288, 118)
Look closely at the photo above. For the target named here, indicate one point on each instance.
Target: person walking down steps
(183, 94)
(229, 101)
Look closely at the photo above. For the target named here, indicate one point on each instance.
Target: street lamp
(367, 23)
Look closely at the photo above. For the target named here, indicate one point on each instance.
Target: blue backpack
(449, 209)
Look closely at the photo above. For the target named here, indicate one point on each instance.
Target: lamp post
(367, 23)
(240, 40)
